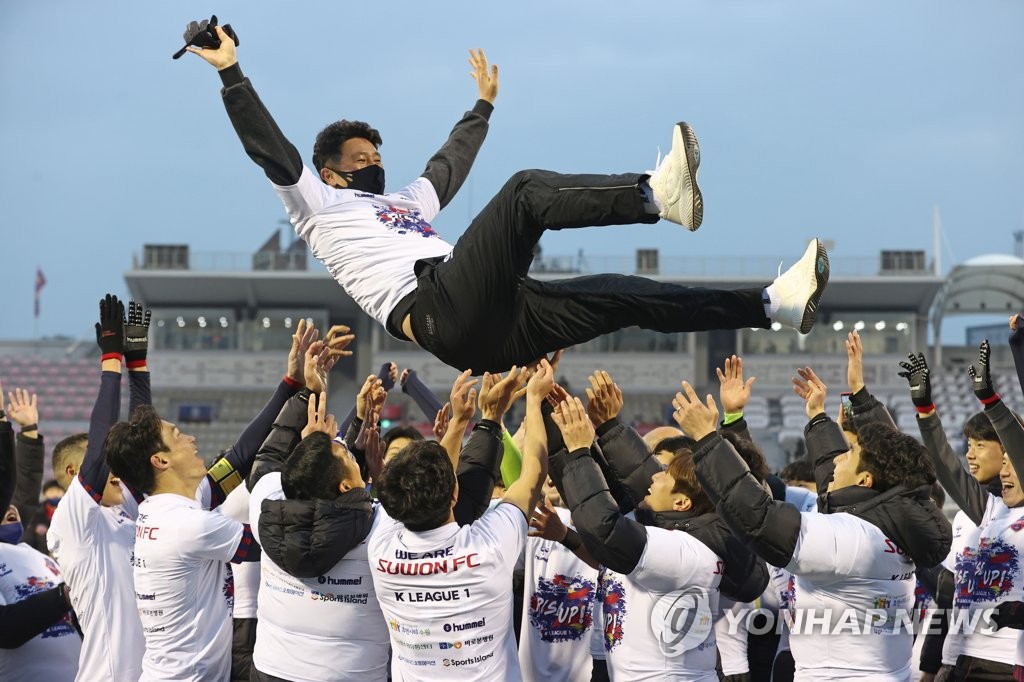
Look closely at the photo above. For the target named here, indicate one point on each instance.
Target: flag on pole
(40, 283)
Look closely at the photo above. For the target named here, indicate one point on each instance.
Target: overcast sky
(848, 120)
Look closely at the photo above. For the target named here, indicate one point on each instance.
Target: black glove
(1009, 614)
(981, 377)
(916, 374)
(136, 335)
(110, 328)
(202, 34)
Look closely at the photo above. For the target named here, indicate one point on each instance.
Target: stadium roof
(986, 284)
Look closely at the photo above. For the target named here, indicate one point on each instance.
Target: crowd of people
(565, 547)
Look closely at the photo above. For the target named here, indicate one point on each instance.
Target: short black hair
(327, 148)
(129, 446)
(979, 427)
(312, 472)
(893, 458)
(396, 432)
(675, 444)
(798, 470)
(750, 453)
(417, 485)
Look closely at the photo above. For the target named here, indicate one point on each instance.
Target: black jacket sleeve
(23, 620)
(263, 140)
(1017, 350)
(965, 490)
(8, 470)
(825, 441)
(867, 409)
(1009, 430)
(629, 462)
(284, 436)
(479, 468)
(770, 528)
(449, 167)
(29, 453)
(613, 540)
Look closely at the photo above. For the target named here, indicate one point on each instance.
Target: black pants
(980, 670)
(242, 642)
(478, 309)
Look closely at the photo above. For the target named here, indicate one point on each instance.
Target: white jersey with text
(93, 545)
(659, 619)
(184, 588)
(988, 571)
(52, 654)
(965, 533)
(328, 628)
(852, 608)
(447, 596)
(368, 242)
(558, 611)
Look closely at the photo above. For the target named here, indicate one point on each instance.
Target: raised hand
(136, 335)
(576, 427)
(604, 398)
(497, 394)
(854, 362)
(541, 382)
(546, 523)
(981, 376)
(370, 395)
(304, 336)
(110, 328)
(372, 445)
(486, 79)
(733, 391)
(444, 415)
(317, 418)
(22, 408)
(463, 398)
(695, 418)
(808, 386)
(223, 56)
(917, 375)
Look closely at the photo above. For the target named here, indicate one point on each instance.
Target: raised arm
(965, 490)
(734, 394)
(358, 413)
(1017, 346)
(525, 492)
(463, 401)
(866, 408)
(824, 438)
(263, 140)
(22, 409)
(136, 350)
(421, 395)
(770, 528)
(94, 472)
(449, 167)
(25, 619)
(611, 539)
(1009, 430)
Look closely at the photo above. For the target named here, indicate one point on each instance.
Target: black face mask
(367, 179)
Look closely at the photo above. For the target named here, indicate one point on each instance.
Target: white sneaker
(799, 289)
(675, 180)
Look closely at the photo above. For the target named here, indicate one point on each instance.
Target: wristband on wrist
(30, 427)
(292, 382)
(111, 356)
(994, 398)
(491, 427)
(137, 363)
(731, 417)
(926, 409)
(572, 540)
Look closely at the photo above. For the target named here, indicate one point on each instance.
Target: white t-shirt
(853, 602)
(247, 573)
(731, 635)
(368, 242)
(988, 571)
(93, 545)
(659, 619)
(52, 654)
(184, 588)
(965, 533)
(447, 596)
(318, 629)
(558, 611)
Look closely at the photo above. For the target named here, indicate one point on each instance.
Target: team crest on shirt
(229, 587)
(986, 573)
(561, 609)
(612, 596)
(1018, 525)
(403, 221)
(35, 585)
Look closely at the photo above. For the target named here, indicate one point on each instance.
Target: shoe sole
(821, 279)
(692, 150)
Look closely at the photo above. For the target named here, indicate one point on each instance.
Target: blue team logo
(787, 601)
(612, 595)
(987, 573)
(35, 585)
(403, 221)
(561, 609)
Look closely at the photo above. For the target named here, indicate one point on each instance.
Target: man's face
(846, 473)
(11, 515)
(1013, 496)
(396, 447)
(352, 476)
(984, 459)
(660, 497)
(358, 152)
(182, 453)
